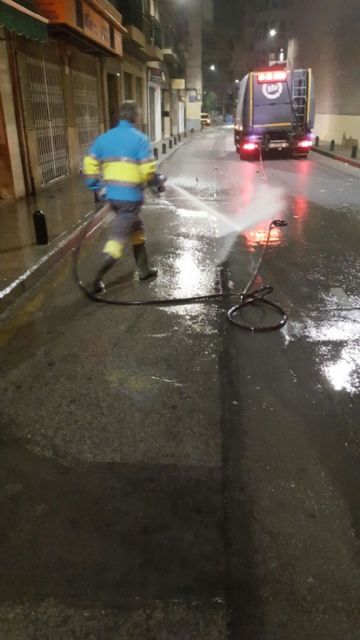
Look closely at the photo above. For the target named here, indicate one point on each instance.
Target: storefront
(156, 82)
(18, 20)
(134, 85)
(61, 90)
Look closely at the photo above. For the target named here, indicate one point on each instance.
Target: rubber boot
(141, 260)
(99, 285)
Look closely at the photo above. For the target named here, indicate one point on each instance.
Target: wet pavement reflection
(159, 457)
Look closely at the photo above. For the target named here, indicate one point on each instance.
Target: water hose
(246, 297)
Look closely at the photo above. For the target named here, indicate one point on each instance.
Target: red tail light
(249, 146)
(305, 144)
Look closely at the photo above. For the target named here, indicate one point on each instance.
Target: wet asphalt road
(165, 475)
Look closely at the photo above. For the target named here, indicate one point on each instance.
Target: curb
(58, 249)
(333, 156)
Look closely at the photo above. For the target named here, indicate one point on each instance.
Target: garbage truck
(275, 111)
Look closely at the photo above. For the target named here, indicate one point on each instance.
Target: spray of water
(267, 203)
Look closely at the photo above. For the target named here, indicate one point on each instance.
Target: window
(112, 37)
(139, 92)
(127, 86)
(79, 13)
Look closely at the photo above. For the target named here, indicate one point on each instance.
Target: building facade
(222, 60)
(328, 42)
(65, 67)
(322, 35)
(270, 30)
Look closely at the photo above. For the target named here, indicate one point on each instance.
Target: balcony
(170, 47)
(143, 38)
(156, 32)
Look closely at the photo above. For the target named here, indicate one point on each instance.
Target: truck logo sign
(272, 91)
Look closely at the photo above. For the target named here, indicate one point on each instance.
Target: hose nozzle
(279, 223)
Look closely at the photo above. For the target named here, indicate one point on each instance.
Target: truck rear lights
(249, 146)
(305, 144)
(271, 76)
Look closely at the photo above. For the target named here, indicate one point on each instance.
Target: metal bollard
(354, 151)
(175, 140)
(170, 144)
(317, 141)
(332, 145)
(156, 153)
(164, 147)
(40, 226)
(179, 137)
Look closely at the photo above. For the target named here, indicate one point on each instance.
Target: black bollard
(164, 147)
(40, 226)
(332, 145)
(317, 141)
(354, 151)
(170, 144)
(156, 153)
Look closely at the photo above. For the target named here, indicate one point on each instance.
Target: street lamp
(212, 67)
(275, 32)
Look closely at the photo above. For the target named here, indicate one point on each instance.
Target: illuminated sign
(84, 18)
(271, 76)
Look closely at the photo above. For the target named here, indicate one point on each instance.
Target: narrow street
(165, 475)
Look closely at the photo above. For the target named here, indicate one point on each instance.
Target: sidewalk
(342, 153)
(22, 261)
(66, 205)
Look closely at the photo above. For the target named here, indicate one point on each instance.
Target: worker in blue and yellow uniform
(121, 162)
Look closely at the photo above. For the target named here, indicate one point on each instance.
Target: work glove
(158, 182)
(100, 195)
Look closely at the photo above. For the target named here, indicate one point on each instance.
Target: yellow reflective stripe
(147, 170)
(138, 237)
(91, 166)
(114, 249)
(123, 171)
(119, 159)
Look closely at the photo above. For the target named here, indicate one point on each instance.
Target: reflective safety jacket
(121, 160)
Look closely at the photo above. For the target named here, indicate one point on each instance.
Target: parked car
(205, 120)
